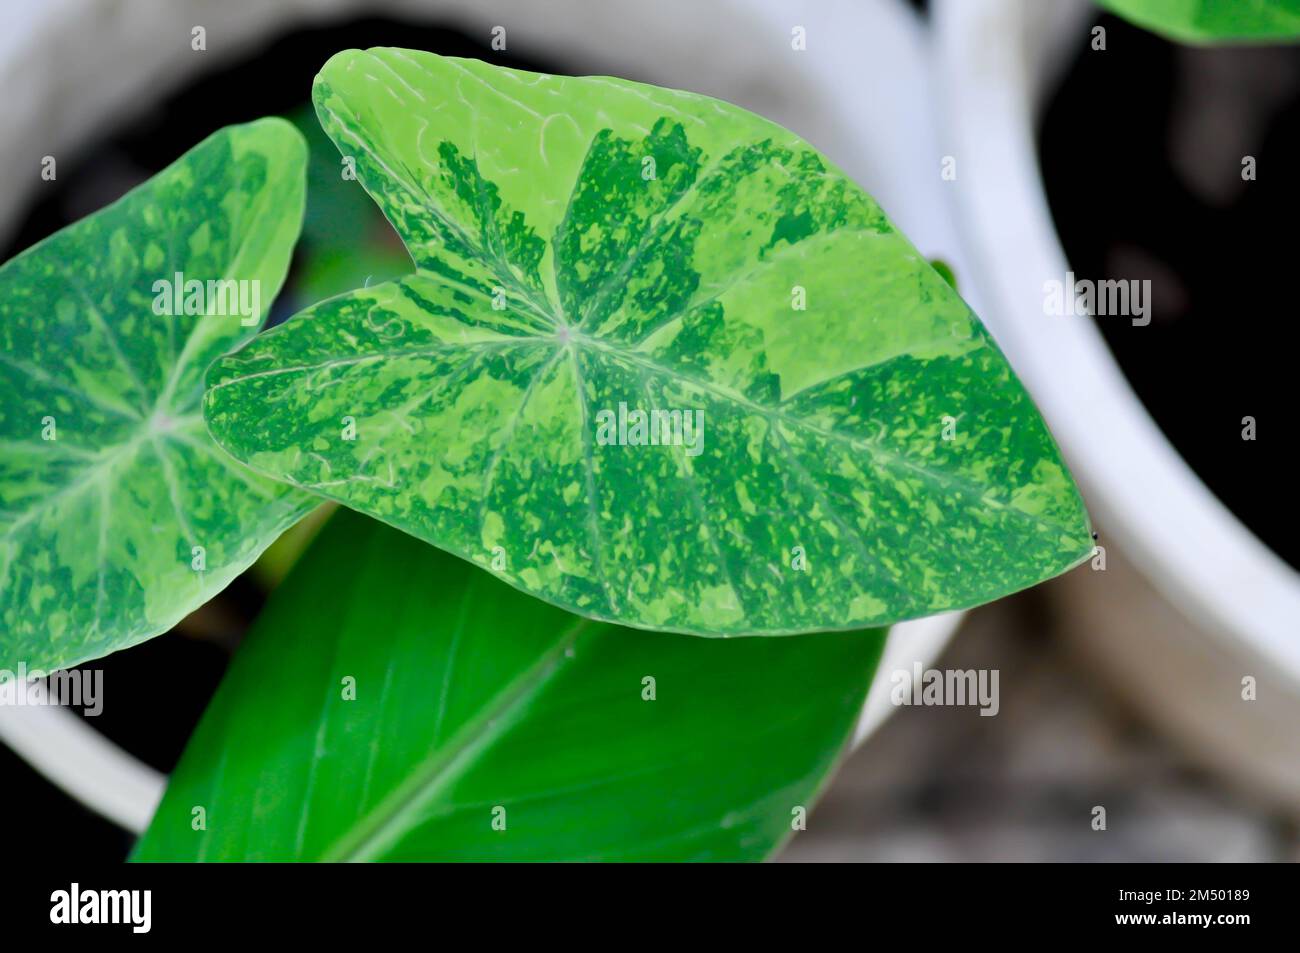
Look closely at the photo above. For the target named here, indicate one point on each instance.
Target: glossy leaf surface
(487, 725)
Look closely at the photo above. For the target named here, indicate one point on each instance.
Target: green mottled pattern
(391, 696)
(98, 525)
(1214, 21)
(475, 428)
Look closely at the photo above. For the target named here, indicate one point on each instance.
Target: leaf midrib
(772, 414)
(942, 478)
(386, 823)
(663, 221)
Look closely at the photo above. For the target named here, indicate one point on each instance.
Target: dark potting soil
(1142, 149)
(155, 693)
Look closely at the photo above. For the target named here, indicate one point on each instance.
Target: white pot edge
(74, 757)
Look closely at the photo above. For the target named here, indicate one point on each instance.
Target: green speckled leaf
(589, 245)
(1212, 21)
(108, 478)
(393, 702)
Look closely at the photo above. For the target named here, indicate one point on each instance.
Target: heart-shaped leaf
(395, 703)
(1213, 21)
(120, 515)
(661, 364)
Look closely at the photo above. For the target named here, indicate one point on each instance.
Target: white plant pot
(1191, 601)
(72, 68)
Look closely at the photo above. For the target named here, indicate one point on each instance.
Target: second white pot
(1191, 602)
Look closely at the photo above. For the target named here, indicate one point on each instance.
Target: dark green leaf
(1214, 21)
(472, 697)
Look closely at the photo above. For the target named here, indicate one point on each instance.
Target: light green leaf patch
(661, 364)
(1213, 21)
(395, 703)
(118, 514)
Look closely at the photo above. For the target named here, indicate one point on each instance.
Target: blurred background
(1121, 683)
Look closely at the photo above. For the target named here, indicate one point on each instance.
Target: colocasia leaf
(395, 703)
(1214, 21)
(661, 364)
(118, 514)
